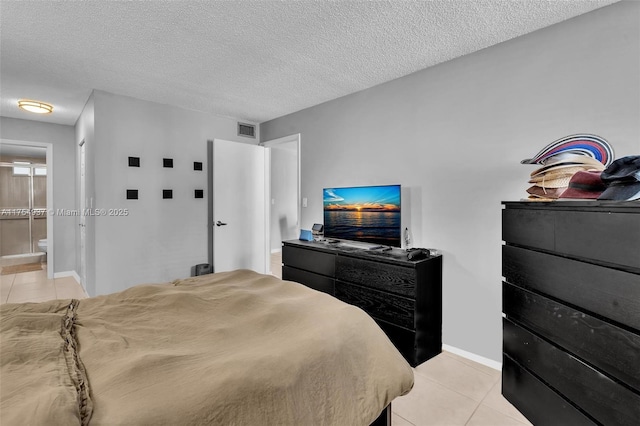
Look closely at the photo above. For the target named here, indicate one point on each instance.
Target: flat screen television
(363, 213)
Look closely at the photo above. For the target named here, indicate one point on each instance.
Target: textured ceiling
(251, 60)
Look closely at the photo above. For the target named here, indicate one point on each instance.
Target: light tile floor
(449, 390)
(276, 264)
(35, 287)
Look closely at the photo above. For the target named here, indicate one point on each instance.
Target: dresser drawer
(531, 228)
(309, 260)
(538, 402)
(381, 276)
(598, 395)
(394, 309)
(603, 236)
(609, 348)
(404, 340)
(309, 279)
(608, 292)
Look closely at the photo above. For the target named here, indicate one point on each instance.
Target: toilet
(42, 245)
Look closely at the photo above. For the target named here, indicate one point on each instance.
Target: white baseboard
(73, 274)
(473, 357)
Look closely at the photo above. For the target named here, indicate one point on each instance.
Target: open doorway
(26, 227)
(285, 195)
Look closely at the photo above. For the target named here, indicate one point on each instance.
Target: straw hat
(551, 193)
(533, 197)
(555, 181)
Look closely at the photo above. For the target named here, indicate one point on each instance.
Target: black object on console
(418, 253)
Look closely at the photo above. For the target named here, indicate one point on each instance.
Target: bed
(231, 348)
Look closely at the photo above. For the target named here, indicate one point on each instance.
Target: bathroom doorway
(284, 216)
(24, 219)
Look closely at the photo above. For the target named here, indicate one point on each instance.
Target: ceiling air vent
(246, 130)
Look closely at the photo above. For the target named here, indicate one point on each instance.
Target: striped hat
(582, 144)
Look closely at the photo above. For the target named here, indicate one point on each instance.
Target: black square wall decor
(132, 194)
(134, 161)
(199, 193)
(167, 162)
(167, 193)
(197, 165)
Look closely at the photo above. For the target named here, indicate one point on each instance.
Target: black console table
(571, 299)
(404, 297)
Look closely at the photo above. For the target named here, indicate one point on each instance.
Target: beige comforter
(236, 348)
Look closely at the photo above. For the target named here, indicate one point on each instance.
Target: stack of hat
(552, 179)
(562, 159)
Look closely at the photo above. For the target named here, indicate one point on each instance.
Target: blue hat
(582, 144)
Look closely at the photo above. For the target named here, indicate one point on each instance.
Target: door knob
(218, 223)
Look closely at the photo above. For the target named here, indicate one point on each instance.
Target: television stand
(403, 296)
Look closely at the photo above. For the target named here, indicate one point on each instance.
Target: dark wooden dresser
(571, 304)
(404, 297)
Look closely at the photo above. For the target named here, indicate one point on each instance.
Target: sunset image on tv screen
(367, 213)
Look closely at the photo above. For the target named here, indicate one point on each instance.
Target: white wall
(160, 240)
(62, 139)
(453, 135)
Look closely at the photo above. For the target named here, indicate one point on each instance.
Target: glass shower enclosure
(23, 206)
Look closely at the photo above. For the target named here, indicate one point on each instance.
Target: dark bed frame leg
(384, 419)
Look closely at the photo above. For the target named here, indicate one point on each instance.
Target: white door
(83, 225)
(240, 193)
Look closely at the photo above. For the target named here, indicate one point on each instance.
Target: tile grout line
(411, 423)
(488, 407)
(11, 288)
(480, 403)
(499, 411)
(483, 398)
(477, 403)
(454, 390)
(472, 414)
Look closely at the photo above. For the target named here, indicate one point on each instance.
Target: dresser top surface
(395, 255)
(578, 205)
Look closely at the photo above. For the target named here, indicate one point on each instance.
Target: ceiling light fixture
(35, 106)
